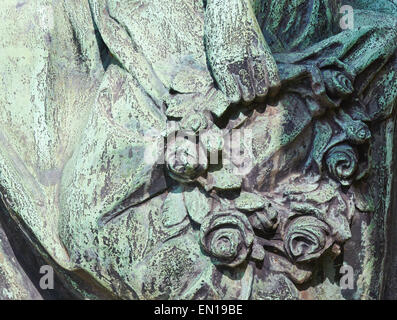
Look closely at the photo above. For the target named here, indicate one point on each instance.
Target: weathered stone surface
(15, 284)
(184, 149)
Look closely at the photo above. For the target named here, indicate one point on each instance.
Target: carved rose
(306, 239)
(342, 163)
(227, 237)
(186, 160)
(337, 84)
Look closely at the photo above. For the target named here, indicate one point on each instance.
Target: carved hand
(240, 59)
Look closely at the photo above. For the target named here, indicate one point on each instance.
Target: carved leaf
(174, 210)
(197, 204)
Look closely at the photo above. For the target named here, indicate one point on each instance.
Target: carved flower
(306, 239)
(337, 84)
(342, 163)
(227, 237)
(262, 214)
(186, 160)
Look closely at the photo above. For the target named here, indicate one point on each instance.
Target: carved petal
(250, 202)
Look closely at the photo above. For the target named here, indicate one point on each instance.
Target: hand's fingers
(231, 88)
(274, 88)
(227, 83)
(260, 79)
(246, 83)
(273, 76)
(267, 79)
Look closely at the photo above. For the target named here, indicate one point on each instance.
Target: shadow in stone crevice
(31, 260)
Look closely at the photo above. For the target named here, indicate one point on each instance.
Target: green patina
(89, 89)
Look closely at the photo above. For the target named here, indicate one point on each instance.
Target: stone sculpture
(185, 149)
